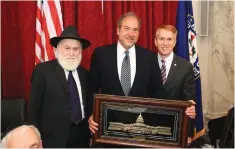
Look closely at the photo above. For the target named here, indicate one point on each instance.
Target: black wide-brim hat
(70, 32)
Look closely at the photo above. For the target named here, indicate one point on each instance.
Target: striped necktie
(163, 71)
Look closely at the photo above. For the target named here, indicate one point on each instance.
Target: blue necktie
(76, 115)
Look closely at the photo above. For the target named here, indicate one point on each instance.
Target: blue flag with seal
(186, 47)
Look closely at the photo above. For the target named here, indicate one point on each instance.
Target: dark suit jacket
(104, 73)
(180, 83)
(49, 104)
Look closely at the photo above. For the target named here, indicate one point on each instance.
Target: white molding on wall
(204, 21)
(201, 16)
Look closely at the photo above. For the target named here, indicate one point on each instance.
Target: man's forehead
(130, 26)
(70, 41)
(165, 31)
(23, 142)
(130, 18)
(127, 20)
(165, 34)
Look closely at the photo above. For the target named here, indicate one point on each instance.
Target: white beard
(68, 64)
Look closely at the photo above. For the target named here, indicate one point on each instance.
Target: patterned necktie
(126, 74)
(76, 115)
(163, 72)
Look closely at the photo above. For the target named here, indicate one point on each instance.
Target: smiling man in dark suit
(124, 68)
(177, 73)
(58, 104)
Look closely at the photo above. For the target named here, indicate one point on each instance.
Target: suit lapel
(61, 75)
(113, 62)
(138, 71)
(171, 76)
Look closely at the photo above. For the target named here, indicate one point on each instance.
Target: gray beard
(69, 64)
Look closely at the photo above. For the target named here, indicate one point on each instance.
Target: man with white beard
(59, 98)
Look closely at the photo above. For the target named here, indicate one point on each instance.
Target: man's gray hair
(4, 141)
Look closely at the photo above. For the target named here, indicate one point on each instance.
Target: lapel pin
(174, 64)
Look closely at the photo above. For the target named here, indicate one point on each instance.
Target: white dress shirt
(120, 56)
(168, 62)
(77, 80)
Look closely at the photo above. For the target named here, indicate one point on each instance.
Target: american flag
(48, 24)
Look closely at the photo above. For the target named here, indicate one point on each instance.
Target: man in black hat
(59, 97)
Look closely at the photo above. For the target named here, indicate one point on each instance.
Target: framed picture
(140, 122)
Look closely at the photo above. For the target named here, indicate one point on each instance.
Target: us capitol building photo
(140, 127)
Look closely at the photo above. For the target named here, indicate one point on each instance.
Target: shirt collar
(168, 59)
(121, 50)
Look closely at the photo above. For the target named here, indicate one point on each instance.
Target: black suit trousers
(78, 136)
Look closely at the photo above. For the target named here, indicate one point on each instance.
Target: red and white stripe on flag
(48, 24)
